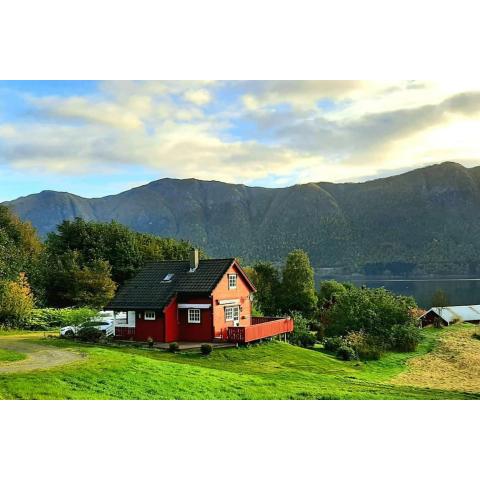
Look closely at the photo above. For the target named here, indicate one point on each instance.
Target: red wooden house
(192, 301)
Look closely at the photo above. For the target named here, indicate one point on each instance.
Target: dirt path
(38, 356)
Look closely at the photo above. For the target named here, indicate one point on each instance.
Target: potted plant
(150, 342)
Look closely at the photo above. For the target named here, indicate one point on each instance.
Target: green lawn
(10, 356)
(272, 370)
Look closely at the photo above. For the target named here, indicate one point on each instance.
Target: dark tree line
(81, 264)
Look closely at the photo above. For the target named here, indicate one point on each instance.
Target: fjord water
(459, 291)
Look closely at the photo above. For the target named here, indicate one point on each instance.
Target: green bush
(46, 318)
(405, 338)
(332, 344)
(89, 334)
(16, 302)
(206, 349)
(345, 352)
(301, 335)
(365, 346)
(173, 347)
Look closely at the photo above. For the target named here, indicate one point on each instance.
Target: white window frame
(149, 315)
(232, 276)
(194, 316)
(230, 313)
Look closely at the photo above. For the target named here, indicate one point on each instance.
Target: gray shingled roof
(149, 290)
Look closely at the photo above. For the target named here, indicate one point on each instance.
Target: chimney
(193, 260)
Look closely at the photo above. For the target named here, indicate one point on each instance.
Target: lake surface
(459, 291)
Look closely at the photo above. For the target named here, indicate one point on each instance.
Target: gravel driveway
(39, 356)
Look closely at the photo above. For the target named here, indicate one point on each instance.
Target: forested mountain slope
(428, 218)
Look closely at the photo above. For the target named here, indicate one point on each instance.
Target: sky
(100, 138)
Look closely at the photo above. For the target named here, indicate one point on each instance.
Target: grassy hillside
(429, 217)
(270, 371)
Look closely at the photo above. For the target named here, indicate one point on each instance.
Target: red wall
(221, 292)
(196, 332)
(149, 328)
(172, 329)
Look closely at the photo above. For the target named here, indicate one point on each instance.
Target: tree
(301, 335)
(371, 310)
(111, 242)
(329, 291)
(16, 302)
(93, 285)
(440, 299)
(266, 279)
(125, 250)
(20, 246)
(68, 282)
(298, 285)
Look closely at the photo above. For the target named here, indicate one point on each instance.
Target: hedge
(46, 318)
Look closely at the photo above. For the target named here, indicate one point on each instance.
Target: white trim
(194, 311)
(149, 316)
(194, 305)
(232, 301)
(231, 276)
(232, 310)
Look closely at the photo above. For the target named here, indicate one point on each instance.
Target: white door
(236, 316)
(131, 318)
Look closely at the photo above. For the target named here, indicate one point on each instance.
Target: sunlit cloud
(271, 133)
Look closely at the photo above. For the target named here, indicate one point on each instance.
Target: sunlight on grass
(273, 370)
(453, 365)
(11, 356)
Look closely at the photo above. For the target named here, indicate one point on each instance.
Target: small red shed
(192, 301)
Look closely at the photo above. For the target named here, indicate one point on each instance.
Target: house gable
(224, 297)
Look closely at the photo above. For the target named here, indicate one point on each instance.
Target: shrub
(365, 346)
(150, 342)
(345, 352)
(16, 302)
(372, 310)
(332, 344)
(206, 349)
(89, 334)
(405, 338)
(45, 318)
(301, 335)
(173, 347)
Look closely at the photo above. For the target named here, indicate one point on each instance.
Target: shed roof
(151, 289)
(464, 313)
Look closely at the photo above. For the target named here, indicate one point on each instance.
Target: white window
(232, 282)
(232, 314)
(193, 315)
(168, 277)
(150, 315)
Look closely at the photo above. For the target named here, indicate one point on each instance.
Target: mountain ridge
(427, 216)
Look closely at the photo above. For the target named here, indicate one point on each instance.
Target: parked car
(103, 321)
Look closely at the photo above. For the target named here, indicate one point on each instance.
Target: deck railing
(261, 327)
(257, 320)
(124, 332)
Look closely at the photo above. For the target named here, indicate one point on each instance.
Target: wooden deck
(261, 327)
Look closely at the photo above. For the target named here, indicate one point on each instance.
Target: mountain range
(426, 220)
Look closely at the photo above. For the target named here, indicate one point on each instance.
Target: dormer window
(168, 277)
(232, 281)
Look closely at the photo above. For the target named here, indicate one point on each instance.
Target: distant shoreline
(363, 278)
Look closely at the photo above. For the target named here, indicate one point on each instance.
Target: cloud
(79, 108)
(298, 93)
(263, 133)
(199, 97)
